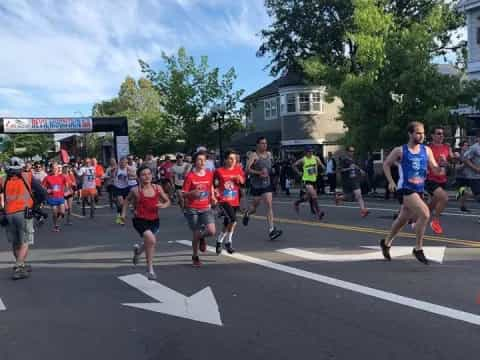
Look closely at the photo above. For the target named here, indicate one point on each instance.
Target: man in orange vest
(17, 203)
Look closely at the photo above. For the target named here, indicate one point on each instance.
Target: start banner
(47, 125)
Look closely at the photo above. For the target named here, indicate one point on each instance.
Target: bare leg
(149, 242)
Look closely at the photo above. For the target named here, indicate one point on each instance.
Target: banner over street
(47, 125)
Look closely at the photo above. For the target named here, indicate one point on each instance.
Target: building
(291, 113)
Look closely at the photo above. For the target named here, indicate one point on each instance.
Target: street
(321, 290)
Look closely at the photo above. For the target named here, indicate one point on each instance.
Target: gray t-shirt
(257, 181)
(473, 154)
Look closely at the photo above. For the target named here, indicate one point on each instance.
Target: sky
(59, 57)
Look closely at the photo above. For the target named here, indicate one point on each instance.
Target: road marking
(201, 306)
(455, 241)
(2, 306)
(322, 204)
(435, 253)
(365, 290)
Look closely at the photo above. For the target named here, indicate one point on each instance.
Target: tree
(188, 91)
(30, 145)
(385, 75)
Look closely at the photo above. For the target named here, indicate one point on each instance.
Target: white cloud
(78, 52)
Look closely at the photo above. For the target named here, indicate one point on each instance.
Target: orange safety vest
(17, 196)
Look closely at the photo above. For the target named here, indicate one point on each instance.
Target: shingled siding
(258, 117)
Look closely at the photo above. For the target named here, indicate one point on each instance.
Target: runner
(309, 165)
(461, 177)
(68, 191)
(132, 172)
(435, 184)
(89, 188)
(351, 176)
(259, 166)
(199, 196)
(230, 178)
(472, 161)
(99, 174)
(179, 171)
(414, 158)
(147, 199)
(55, 185)
(165, 176)
(121, 187)
(108, 178)
(38, 172)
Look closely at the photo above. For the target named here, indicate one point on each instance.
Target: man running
(435, 184)
(414, 159)
(55, 185)
(472, 161)
(89, 188)
(309, 165)
(147, 199)
(461, 177)
(179, 171)
(351, 177)
(259, 167)
(121, 187)
(230, 177)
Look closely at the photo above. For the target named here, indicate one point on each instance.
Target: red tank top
(146, 207)
(441, 153)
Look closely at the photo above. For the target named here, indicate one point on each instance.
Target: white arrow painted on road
(365, 290)
(201, 306)
(2, 306)
(434, 253)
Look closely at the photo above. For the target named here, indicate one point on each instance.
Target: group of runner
(199, 187)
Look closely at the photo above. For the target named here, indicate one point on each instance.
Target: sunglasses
(439, 133)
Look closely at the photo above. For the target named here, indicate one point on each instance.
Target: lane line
(2, 306)
(455, 241)
(365, 290)
(385, 209)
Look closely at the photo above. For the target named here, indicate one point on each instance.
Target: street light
(218, 111)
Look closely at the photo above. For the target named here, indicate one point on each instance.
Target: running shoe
(196, 261)
(56, 228)
(364, 212)
(460, 193)
(218, 248)
(385, 250)
(28, 267)
(464, 209)
(117, 220)
(296, 207)
(275, 234)
(20, 272)
(246, 218)
(229, 248)
(136, 254)
(436, 227)
(321, 215)
(203, 245)
(151, 275)
(420, 256)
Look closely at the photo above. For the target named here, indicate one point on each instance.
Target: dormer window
(270, 106)
(302, 103)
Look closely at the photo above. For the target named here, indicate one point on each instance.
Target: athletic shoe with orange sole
(436, 227)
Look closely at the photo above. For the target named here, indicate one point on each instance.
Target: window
(283, 104)
(267, 109)
(304, 101)
(316, 102)
(271, 109)
(291, 103)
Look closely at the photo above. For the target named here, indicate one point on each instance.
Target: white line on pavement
(2, 306)
(380, 294)
(371, 208)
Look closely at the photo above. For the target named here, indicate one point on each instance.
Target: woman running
(146, 198)
(230, 178)
(108, 177)
(68, 191)
(199, 197)
(121, 187)
(55, 186)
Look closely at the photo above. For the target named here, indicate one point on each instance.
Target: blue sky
(59, 57)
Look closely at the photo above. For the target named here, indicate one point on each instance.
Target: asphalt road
(261, 303)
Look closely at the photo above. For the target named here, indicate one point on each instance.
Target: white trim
(271, 101)
(295, 89)
(473, 66)
(302, 142)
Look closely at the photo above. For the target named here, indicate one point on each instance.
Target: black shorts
(350, 186)
(229, 213)
(121, 192)
(142, 225)
(257, 192)
(462, 182)
(474, 186)
(432, 186)
(405, 192)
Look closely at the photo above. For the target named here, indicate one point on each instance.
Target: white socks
(221, 237)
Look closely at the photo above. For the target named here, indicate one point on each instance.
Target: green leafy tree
(378, 61)
(30, 145)
(188, 90)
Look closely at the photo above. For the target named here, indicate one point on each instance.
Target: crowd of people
(204, 189)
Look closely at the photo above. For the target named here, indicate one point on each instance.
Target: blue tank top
(413, 169)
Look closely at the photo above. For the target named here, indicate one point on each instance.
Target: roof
(245, 142)
(447, 69)
(291, 78)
